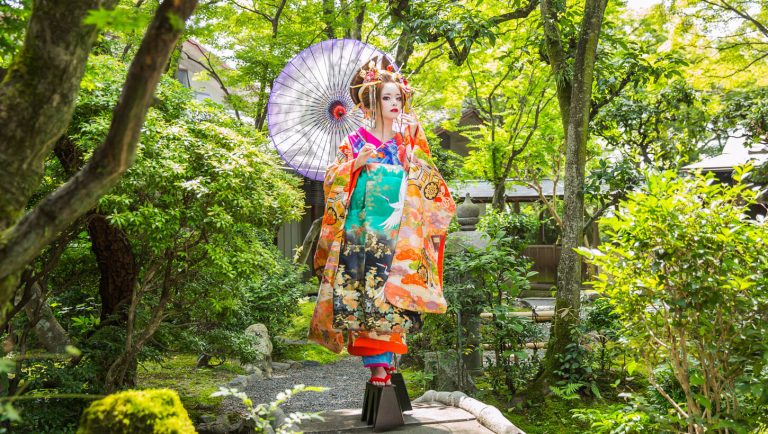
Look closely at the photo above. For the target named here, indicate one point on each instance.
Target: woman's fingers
(409, 118)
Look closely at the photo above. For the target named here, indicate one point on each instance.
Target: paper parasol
(310, 110)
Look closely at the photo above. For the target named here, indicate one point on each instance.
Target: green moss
(193, 385)
(310, 352)
(300, 323)
(156, 411)
(414, 382)
(551, 416)
(298, 331)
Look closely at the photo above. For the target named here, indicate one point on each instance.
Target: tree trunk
(118, 271)
(499, 193)
(117, 266)
(577, 108)
(329, 19)
(357, 24)
(36, 103)
(37, 97)
(47, 329)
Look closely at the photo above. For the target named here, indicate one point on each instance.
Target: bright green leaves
(684, 266)
(202, 203)
(122, 19)
(13, 17)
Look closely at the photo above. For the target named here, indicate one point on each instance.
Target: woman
(381, 242)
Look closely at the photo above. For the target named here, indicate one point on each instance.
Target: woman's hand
(408, 119)
(365, 153)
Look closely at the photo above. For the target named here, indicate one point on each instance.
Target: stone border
(488, 415)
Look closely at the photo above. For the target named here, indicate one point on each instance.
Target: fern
(568, 391)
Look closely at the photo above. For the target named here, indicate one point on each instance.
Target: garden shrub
(602, 322)
(619, 418)
(486, 280)
(686, 270)
(198, 210)
(151, 411)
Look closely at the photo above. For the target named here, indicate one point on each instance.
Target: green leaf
(176, 22)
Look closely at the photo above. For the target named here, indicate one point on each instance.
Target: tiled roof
(482, 191)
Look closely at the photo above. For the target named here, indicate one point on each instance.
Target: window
(183, 76)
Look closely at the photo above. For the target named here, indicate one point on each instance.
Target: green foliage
(448, 162)
(549, 415)
(218, 322)
(52, 394)
(311, 352)
(511, 229)
(513, 367)
(298, 326)
(199, 209)
(137, 412)
(261, 417)
(486, 280)
(662, 128)
(207, 195)
(760, 175)
(574, 368)
(438, 332)
(13, 17)
(685, 269)
(616, 419)
(297, 329)
(124, 18)
(603, 324)
(744, 112)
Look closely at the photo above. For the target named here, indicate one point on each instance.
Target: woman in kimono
(387, 211)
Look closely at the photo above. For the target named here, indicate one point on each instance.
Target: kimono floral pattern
(372, 223)
(381, 241)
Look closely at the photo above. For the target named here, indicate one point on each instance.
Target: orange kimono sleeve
(337, 186)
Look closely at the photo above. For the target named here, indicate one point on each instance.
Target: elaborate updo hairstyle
(370, 79)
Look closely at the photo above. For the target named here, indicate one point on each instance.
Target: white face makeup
(391, 101)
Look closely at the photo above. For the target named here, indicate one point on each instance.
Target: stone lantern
(468, 214)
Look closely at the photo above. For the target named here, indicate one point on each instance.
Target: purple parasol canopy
(310, 110)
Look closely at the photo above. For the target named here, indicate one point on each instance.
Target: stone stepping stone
(424, 418)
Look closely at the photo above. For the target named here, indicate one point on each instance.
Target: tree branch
(427, 59)
(37, 97)
(112, 158)
(597, 105)
(557, 59)
(208, 67)
(743, 14)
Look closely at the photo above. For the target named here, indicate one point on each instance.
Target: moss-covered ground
(550, 416)
(193, 385)
(297, 331)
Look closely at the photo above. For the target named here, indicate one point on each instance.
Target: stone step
(424, 418)
(548, 290)
(539, 303)
(539, 316)
(536, 293)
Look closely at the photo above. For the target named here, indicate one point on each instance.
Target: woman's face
(391, 101)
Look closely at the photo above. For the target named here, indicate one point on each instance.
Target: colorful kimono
(381, 244)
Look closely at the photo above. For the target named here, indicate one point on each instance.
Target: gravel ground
(345, 380)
